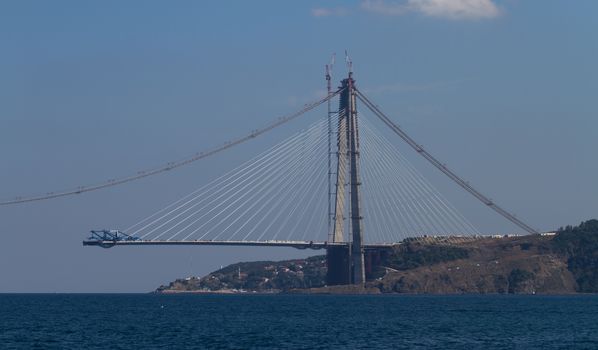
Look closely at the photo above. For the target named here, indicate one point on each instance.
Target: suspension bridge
(338, 185)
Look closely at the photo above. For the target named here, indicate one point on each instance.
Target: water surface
(130, 321)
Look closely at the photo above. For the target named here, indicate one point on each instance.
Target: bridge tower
(347, 265)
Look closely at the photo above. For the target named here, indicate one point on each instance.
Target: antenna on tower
(329, 71)
(349, 63)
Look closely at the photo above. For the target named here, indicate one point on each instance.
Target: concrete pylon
(348, 169)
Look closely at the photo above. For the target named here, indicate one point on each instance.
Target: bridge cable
(176, 164)
(237, 178)
(440, 166)
(399, 175)
(400, 190)
(249, 202)
(456, 220)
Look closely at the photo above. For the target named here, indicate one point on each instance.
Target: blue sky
(502, 91)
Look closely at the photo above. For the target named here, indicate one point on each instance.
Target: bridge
(111, 238)
(338, 185)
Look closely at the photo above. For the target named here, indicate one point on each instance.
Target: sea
(249, 321)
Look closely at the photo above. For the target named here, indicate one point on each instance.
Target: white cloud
(450, 9)
(326, 12)
(385, 8)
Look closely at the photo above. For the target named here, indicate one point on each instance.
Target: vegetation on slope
(413, 255)
(580, 245)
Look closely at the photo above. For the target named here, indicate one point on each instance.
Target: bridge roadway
(292, 244)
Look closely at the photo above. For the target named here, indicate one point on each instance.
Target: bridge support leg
(338, 260)
(358, 264)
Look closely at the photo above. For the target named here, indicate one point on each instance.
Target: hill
(259, 276)
(564, 263)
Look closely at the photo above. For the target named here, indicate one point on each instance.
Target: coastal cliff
(564, 263)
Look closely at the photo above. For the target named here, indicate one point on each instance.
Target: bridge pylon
(347, 266)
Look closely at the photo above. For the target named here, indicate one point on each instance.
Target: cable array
(443, 168)
(284, 194)
(398, 201)
(278, 195)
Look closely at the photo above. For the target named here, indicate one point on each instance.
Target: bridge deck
(292, 244)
